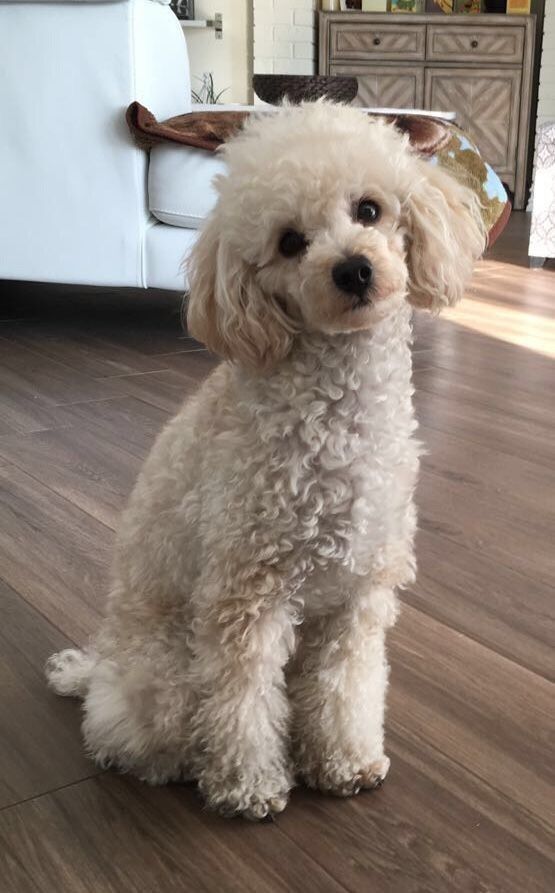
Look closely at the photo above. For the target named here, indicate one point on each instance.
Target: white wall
(285, 36)
(229, 59)
(267, 36)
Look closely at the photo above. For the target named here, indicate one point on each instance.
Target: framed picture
(184, 9)
(374, 5)
(470, 7)
(518, 7)
(407, 5)
(440, 6)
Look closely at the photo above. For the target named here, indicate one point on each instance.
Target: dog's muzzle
(354, 275)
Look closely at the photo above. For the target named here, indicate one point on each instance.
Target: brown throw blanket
(442, 142)
(202, 130)
(208, 130)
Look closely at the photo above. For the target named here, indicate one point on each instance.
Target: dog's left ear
(446, 235)
(227, 309)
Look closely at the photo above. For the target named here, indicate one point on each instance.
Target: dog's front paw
(342, 779)
(261, 800)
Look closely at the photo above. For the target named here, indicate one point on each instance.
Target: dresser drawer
(480, 44)
(402, 43)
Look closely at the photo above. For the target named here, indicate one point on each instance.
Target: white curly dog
(258, 557)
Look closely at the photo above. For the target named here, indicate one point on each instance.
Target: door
(385, 86)
(486, 102)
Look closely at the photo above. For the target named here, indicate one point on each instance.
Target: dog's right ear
(228, 311)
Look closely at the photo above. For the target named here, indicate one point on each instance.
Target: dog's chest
(360, 480)
(341, 461)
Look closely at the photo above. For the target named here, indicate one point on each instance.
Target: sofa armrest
(74, 2)
(73, 184)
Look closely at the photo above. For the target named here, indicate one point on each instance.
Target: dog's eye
(368, 211)
(292, 243)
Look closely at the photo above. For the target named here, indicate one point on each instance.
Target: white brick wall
(285, 36)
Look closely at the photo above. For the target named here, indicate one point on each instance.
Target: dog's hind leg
(134, 721)
(69, 672)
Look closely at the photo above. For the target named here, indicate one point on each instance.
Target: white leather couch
(79, 202)
(74, 189)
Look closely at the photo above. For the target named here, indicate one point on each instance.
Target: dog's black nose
(353, 275)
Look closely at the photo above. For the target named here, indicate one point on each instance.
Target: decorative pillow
(462, 158)
(442, 142)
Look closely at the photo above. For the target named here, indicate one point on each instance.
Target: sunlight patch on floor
(523, 328)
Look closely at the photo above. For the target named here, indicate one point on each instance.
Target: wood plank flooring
(87, 378)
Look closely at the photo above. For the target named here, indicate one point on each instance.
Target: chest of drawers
(479, 67)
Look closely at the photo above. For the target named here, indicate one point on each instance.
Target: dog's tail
(69, 672)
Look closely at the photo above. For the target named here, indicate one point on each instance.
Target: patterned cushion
(542, 233)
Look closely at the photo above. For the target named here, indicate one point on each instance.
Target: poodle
(258, 559)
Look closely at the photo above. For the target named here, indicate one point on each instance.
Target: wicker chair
(274, 88)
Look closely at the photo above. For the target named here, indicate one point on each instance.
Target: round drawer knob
(473, 44)
(377, 41)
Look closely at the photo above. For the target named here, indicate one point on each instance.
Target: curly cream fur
(258, 558)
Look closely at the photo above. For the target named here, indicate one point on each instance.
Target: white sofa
(80, 203)
(73, 186)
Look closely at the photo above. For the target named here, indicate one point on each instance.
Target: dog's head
(326, 220)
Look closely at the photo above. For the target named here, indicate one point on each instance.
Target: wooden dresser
(477, 66)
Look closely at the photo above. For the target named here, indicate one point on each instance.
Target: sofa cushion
(180, 179)
(180, 190)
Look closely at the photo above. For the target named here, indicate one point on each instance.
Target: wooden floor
(87, 378)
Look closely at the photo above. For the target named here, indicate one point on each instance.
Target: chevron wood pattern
(475, 44)
(478, 67)
(401, 42)
(387, 87)
(486, 104)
